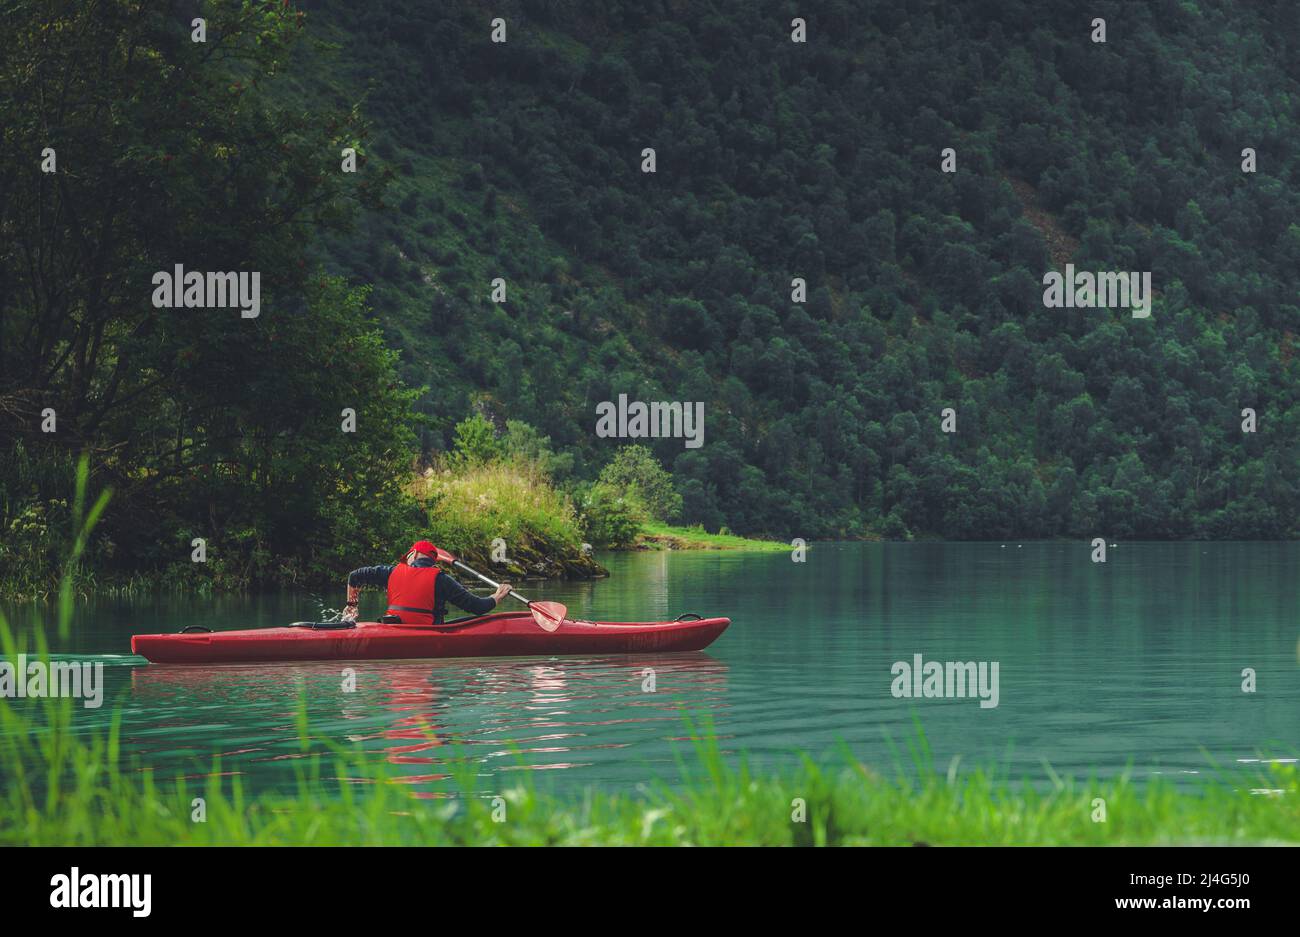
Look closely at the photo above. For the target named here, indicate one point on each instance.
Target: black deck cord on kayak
(689, 616)
(324, 625)
(194, 629)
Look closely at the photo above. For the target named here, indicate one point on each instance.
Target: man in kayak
(418, 591)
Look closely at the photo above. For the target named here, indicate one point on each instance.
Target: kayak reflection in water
(418, 591)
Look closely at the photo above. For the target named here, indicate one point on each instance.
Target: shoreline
(655, 536)
(716, 801)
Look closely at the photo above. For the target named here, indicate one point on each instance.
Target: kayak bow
(505, 634)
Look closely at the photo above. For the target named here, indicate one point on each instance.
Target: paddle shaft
(548, 615)
(473, 572)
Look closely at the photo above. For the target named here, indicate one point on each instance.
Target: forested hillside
(821, 160)
(775, 160)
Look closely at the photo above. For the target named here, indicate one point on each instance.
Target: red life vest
(410, 593)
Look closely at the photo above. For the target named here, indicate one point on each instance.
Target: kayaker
(418, 591)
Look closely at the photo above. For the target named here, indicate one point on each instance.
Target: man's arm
(461, 597)
(375, 576)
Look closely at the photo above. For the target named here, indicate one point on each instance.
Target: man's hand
(350, 609)
(503, 590)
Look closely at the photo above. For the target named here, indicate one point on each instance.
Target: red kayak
(506, 634)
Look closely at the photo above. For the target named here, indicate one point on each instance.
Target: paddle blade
(548, 615)
(444, 557)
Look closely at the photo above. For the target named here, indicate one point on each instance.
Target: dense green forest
(523, 160)
(777, 160)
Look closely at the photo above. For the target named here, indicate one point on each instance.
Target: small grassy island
(657, 536)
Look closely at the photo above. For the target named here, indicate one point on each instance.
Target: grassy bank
(470, 508)
(92, 799)
(657, 536)
(463, 510)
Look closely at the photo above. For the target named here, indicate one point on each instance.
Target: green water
(1135, 664)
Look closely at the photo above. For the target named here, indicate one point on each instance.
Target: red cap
(423, 546)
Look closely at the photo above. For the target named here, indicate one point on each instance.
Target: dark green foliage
(635, 473)
(775, 161)
(607, 517)
(205, 424)
(821, 161)
(523, 443)
(474, 442)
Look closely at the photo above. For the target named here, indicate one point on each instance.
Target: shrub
(469, 507)
(524, 444)
(607, 518)
(474, 443)
(635, 474)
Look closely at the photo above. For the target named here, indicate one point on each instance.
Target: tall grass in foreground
(95, 800)
(65, 789)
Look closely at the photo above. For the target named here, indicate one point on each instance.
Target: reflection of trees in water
(503, 715)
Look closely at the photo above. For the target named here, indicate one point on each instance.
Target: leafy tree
(475, 442)
(636, 474)
(205, 422)
(607, 517)
(524, 443)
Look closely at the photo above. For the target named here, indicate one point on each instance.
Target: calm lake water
(1135, 664)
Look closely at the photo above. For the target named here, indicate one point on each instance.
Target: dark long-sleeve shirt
(445, 589)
